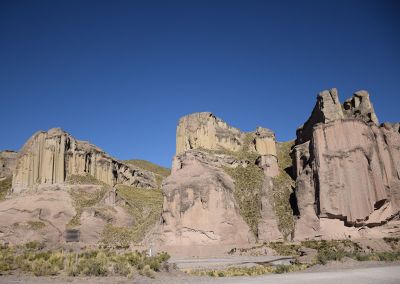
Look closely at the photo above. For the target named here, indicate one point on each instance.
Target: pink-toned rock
(199, 206)
(347, 170)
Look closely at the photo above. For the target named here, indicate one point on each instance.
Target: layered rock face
(51, 157)
(8, 161)
(200, 207)
(346, 167)
(205, 131)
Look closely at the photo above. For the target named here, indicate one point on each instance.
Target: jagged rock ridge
(51, 157)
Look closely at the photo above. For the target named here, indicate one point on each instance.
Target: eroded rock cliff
(51, 157)
(346, 168)
(220, 190)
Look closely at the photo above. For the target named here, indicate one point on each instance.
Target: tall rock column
(343, 166)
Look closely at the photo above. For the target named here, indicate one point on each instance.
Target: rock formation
(201, 205)
(8, 160)
(51, 157)
(203, 130)
(346, 167)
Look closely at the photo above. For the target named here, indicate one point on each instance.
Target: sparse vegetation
(5, 186)
(83, 179)
(151, 167)
(248, 271)
(36, 225)
(283, 187)
(32, 259)
(394, 243)
(84, 198)
(145, 206)
(248, 184)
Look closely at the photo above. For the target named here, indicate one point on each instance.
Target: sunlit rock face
(50, 157)
(346, 167)
(199, 207)
(199, 196)
(204, 130)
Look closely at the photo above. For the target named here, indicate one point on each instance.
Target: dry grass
(84, 198)
(145, 206)
(83, 179)
(248, 185)
(248, 271)
(36, 225)
(151, 167)
(5, 186)
(32, 259)
(283, 187)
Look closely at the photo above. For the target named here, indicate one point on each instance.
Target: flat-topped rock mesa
(203, 204)
(51, 157)
(347, 168)
(204, 130)
(8, 161)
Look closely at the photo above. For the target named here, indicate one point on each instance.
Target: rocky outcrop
(8, 161)
(204, 130)
(51, 157)
(360, 106)
(346, 167)
(201, 205)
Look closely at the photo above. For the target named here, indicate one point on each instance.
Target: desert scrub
(151, 167)
(84, 198)
(83, 179)
(248, 185)
(87, 263)
(36, 225)
(249, 271)
(283, 187)
(287, 249)
(394, 243)
(145, 206)
(5, 186)
(336, 250)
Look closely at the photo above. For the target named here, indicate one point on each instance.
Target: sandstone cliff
(346, 168)
(51, 157)
(220, 190)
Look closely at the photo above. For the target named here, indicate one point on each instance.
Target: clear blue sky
(121, 73)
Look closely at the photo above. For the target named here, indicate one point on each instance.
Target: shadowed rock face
(50, 157)
(346, 167)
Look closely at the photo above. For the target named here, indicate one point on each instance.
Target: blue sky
(121, 73)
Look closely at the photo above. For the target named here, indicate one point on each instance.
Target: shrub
(42, 267)
(36, 225)
(147, 271)
(5, 186)
(122, 266)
